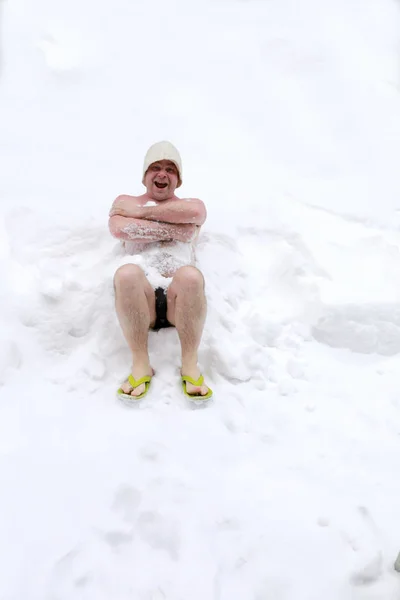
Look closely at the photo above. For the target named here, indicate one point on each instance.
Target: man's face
(161, 180)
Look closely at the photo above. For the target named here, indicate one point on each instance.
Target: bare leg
(187, 309)
(135, 306)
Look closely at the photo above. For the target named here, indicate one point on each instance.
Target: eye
(171, 170)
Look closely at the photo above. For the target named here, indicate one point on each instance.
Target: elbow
(200, 213)
(114, 225)
(200, 217)
(123, 228)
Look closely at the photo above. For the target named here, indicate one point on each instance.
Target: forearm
(130, 229)
(179, 211)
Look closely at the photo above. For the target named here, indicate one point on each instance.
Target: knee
(127, 276)
(189, 278)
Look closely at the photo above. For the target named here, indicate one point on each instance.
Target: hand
(125, 207)
(118, 210)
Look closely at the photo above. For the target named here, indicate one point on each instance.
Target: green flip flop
(199, 382)
(135, 383)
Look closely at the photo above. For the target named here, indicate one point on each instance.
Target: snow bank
(288, 122)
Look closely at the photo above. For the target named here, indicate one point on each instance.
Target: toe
(196, 390)
(138, 390)
(126, 387)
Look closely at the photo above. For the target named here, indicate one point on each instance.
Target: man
(163, 229)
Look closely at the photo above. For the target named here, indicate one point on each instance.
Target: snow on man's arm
(129, 229)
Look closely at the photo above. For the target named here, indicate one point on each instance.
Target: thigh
(188, 281)
(151, 303)
(130, 281)
(171, 295)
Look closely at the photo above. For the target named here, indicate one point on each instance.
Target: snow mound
(286, 486)
(361, 328)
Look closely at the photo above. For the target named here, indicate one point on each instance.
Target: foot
(137, 372)
(194, 390)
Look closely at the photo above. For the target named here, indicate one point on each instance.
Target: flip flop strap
(197, 383)
(136, 382)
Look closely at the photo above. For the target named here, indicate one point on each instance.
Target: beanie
(163, 151)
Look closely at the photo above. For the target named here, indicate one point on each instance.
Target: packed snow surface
(286, 487)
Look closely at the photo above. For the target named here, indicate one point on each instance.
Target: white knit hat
(163, 151)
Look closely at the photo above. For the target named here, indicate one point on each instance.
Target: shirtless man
(160, 220)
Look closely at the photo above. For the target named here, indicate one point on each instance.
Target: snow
(288, 121)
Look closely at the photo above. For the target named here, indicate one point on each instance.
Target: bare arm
(174, 211)
(130, 229)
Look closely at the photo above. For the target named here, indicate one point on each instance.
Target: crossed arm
(177, 220)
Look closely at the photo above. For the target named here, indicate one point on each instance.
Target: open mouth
(160, 186)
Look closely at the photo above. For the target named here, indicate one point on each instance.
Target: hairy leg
(187, 309)
(135, 306)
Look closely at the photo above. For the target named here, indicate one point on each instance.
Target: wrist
(137, 212)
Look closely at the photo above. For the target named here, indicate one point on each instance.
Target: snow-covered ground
(287, 116)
